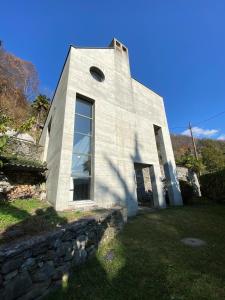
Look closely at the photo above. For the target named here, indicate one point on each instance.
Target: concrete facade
(125, 112)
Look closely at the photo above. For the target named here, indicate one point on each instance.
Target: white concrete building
(101, 127)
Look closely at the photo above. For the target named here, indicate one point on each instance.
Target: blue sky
(176, 47)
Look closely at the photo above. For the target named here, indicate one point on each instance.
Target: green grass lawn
(150, 262)
(22, 218)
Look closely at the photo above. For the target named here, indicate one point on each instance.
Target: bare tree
(18, 84)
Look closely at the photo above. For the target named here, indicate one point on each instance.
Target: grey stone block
(28, 264)
(38, 289)
(43, 273)
(17, 287)
(11, 264)
(63, 249)
(10, 275)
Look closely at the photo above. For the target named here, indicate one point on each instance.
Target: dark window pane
(97, 74)
(81, 189)
(84, 108)
(82, 124)
(82, 143)
(81, 165)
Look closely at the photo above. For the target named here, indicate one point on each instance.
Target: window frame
(89, 155)
(97, 73)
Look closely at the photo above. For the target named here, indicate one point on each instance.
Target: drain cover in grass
(193, 242)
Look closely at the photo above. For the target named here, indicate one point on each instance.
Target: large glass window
(82, 150)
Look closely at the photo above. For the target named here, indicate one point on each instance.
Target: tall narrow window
(82, 150)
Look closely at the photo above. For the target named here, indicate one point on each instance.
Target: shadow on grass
(148, 261)
(27, 224)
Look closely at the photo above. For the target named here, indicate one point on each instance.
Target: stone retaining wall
(184, 174)
(23, 148)
(32, 268)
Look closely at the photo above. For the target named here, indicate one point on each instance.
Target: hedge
(187, 191)
(213, 186)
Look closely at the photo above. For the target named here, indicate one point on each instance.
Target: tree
(7, 123)
(40, 108)
(189, 161)
(22, 73)
(4, 123)
(18, 85)
(213, 155)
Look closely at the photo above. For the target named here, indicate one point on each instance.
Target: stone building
(103, 129)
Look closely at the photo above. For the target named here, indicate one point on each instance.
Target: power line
(178, 127)
(203, 121)
(213, 117)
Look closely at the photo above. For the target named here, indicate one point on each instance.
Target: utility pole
(193, 141)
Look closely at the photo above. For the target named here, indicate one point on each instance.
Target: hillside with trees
(18, 85)
(211, 153)
(22, 108)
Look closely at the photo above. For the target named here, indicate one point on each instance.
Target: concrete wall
(124, 114)
(53, 142)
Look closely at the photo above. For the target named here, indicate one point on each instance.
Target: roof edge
(146, 87)
(79, 47)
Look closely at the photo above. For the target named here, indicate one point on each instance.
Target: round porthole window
(97, 74)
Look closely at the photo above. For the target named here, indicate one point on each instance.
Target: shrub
(213, 186)
(14, 159)
(187, 191)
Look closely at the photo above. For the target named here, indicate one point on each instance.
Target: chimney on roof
(118, 45)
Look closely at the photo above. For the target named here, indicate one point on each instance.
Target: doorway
(143, 185)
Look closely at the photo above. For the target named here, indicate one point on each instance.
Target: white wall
(53, 142)
(125, 112)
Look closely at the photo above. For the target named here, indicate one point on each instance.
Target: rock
(1, 281)
(81, 241)
(50, 263)
(63, 249)
(29, 262)
(43, 273)
(92, 237)
(2, 256)
(11, 265)
(50, 255)
(68, 257)
(57, 243)
(79, 257)
(43, 195)
(74, 244)
(91, 250)
(10, 275)
(17, 287)
(60, 271)
(2, 292)
(40, 264)
(14, 233)
(68, 235)
(56, 284)
(38, 289)
(39, 249)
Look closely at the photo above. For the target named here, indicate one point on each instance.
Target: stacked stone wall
(32, 268)
(23, 148)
